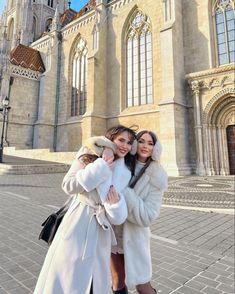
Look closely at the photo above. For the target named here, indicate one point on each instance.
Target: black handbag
(51, 224)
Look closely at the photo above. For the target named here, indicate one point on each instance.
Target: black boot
(122, 291)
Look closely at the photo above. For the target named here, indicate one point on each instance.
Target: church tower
(25, 20)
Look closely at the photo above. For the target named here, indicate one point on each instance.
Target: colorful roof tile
(27, 57)
(68, 16)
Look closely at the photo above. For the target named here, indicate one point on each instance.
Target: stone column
(221, 151)
(215, 149)
(174, 132)
(46, 124)
(209, 133)
(207, 153)
(198, 128)
(94, 120)
(225, 153)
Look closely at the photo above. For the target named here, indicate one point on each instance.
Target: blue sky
(75, 4)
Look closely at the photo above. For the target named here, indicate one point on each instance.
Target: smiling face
(144, 147)
(123, 143)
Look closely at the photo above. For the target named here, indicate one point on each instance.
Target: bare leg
(117, 271)
(145, 289)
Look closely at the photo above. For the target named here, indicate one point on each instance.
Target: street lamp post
(4, 111)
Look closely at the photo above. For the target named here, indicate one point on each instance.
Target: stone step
(25, 169)
(41, 154)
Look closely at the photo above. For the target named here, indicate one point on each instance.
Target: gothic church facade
(165, 65)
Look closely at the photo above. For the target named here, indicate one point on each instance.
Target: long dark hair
(113, 132)
(149, 160)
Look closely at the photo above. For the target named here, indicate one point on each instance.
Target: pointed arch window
(79, 79)
(48, 25)
(225, 30)
(139, 61)
(50, 3)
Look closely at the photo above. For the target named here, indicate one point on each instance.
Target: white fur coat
(80, 251)
(143, 203)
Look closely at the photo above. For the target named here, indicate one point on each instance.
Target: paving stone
(183, 272)
(195, 285)
(206, 281)
(5, 277)
(169, 283)
(23, 276)
(20, 290)
(10, 285)
(209, 275)
(209, 290)
(225, 280)
(179, 279)
(225, 288)
(188, 290)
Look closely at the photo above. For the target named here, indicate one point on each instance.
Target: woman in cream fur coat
(131, 258)
(78, 260)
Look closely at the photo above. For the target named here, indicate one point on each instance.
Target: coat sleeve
(142, 212)
(82, 177)
(116, 213)
(98, 143)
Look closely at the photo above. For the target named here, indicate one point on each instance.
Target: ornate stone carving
(78, 24)
(218, 70)
(25, 72)
(231, 119)
(195, 86)
(118, 4)
(213, 101)
(218, 82)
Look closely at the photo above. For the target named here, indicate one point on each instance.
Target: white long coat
(143, 203)
(80, 251)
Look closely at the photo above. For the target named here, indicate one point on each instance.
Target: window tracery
(79, 79)
(223, 13)
(139, 60)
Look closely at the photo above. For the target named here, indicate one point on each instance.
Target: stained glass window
(79, 80)
(139, 61)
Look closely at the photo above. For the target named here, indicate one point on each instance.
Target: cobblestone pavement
(192, 250)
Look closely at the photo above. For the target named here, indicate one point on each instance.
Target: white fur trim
(157, 151)
(134, 147)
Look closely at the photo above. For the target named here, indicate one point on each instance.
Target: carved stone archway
(218, 114)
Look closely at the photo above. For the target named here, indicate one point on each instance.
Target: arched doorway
(230, 130)
(218, 116)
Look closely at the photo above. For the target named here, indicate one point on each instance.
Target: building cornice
(210, 72)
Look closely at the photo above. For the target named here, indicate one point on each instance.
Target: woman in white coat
(131, 258)
(78, 260)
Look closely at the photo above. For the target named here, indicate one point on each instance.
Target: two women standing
(78, 259)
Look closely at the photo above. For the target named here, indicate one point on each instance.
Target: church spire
(56, 20)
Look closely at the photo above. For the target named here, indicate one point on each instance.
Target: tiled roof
(89, 6)
(27, 57)
(68, 16)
